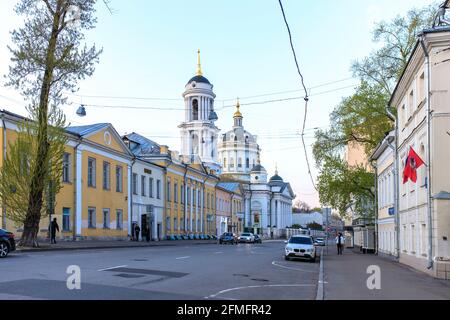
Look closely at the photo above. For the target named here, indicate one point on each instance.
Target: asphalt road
(191, 272)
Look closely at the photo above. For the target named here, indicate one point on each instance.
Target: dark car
(228, 237)
(7, 243)
(258, 239)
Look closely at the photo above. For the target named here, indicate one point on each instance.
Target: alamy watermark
(74, 280)
(374, 280)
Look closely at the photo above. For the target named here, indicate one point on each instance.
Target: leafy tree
(301, 206)
(362, 117)
(48, 57)
(315, 226)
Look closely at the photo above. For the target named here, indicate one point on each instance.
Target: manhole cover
(260, 280)
(129, 276)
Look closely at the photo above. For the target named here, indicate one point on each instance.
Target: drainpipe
(4, 157)
(375, 168)
(396, 181)
(74, 220)
(429, 185)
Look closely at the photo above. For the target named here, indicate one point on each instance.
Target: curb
(320, 287)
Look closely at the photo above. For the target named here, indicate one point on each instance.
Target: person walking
(137, 230)
(147, 234)
(53, 228)
(340, 243)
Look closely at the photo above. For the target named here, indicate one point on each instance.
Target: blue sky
(150, 50)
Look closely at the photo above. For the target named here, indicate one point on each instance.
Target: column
(192, 208)
(79, 193)
(185, 206)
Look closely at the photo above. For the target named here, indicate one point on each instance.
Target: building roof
(229, 186)
(199, 79)
(275, 178)
(142, 146)
(86, 130)
(389, 139)
(258, 168)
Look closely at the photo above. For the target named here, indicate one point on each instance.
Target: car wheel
(4, 250)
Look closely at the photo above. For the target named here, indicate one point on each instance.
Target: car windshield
(300, 240)
(246, 234)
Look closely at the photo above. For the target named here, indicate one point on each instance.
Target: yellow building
(93, 202)
(189, 193)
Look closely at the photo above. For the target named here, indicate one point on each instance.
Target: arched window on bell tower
(195, 110)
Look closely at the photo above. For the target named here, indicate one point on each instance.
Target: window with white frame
(66, 168)
(106, 176)
(106, 219)
(119, 219)
(92, 221)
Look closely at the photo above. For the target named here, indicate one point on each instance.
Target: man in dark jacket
(137, 230)
(53, 228)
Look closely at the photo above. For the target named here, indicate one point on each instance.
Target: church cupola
(238, 115)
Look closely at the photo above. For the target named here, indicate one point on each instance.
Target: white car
(300, 247)
(247, 238)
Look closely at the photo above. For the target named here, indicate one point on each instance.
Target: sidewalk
(91, 245)
(346, 279)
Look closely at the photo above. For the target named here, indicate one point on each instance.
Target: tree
(362, 117)
(315, 226)
(48, 58)
(300, 206)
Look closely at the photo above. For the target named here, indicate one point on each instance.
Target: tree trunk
(40, 170)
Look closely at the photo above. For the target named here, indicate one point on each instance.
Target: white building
(147, 191)
(238, 150)
(199, 133)
(384, 157)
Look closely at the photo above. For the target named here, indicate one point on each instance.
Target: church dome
(258, 169)
(199, 79)
(276, 178)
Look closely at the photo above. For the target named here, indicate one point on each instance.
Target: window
(91, 173)
(247, 163)
(168, 223)
(106, 218)
(66, 219)
(194, 197)
(150, 188)
(195, 109)
(119, 219)
(423, 240)
(175, 192)
(143, 180)
(411, 101)
(106, 176)
(135, 184)
(168, 190)
(182, 193)
(92, 222)
(175, 223)
(188, 195)
(207, 200)
(158, 189)
(66, 168)
(240, 163)
(199, 197)
(119, 179)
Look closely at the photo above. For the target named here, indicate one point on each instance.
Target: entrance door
(144, 225)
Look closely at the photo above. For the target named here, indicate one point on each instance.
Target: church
(234, 156)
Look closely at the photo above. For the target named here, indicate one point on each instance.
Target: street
(184, 272)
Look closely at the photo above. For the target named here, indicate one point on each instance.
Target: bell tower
(199, 133)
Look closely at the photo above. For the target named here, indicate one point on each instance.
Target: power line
(306, 98)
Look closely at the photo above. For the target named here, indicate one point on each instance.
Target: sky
(150, 53)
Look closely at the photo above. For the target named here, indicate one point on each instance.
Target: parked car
(300, 246)
(228, 237)
(7, 243)
(319, 242)
(258, 239)
(247, 238)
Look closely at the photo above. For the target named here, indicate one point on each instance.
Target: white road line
(180, 258)
(264, 286)
(112, 268)
(276, 264)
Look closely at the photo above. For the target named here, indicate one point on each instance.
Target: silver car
(247, 238)
(300, 247)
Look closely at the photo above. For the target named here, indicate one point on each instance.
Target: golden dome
(238, 113)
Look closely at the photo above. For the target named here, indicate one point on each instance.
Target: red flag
(413, 162)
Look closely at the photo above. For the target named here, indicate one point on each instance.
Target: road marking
(180, 258)
(112, 268)
(276, 264)
(255, 287)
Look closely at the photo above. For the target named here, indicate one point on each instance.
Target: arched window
(247, 163)
(195, 109)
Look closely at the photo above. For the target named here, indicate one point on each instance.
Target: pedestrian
(147, 234)
(53, 228)
(340, 243)
(137, 230)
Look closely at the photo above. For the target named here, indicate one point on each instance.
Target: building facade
(384, 159)
(93, 202)
(422, 100)
(230, 207)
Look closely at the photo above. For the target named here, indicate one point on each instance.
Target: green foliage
(315, 226)
(20, 162)
(362, 120)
